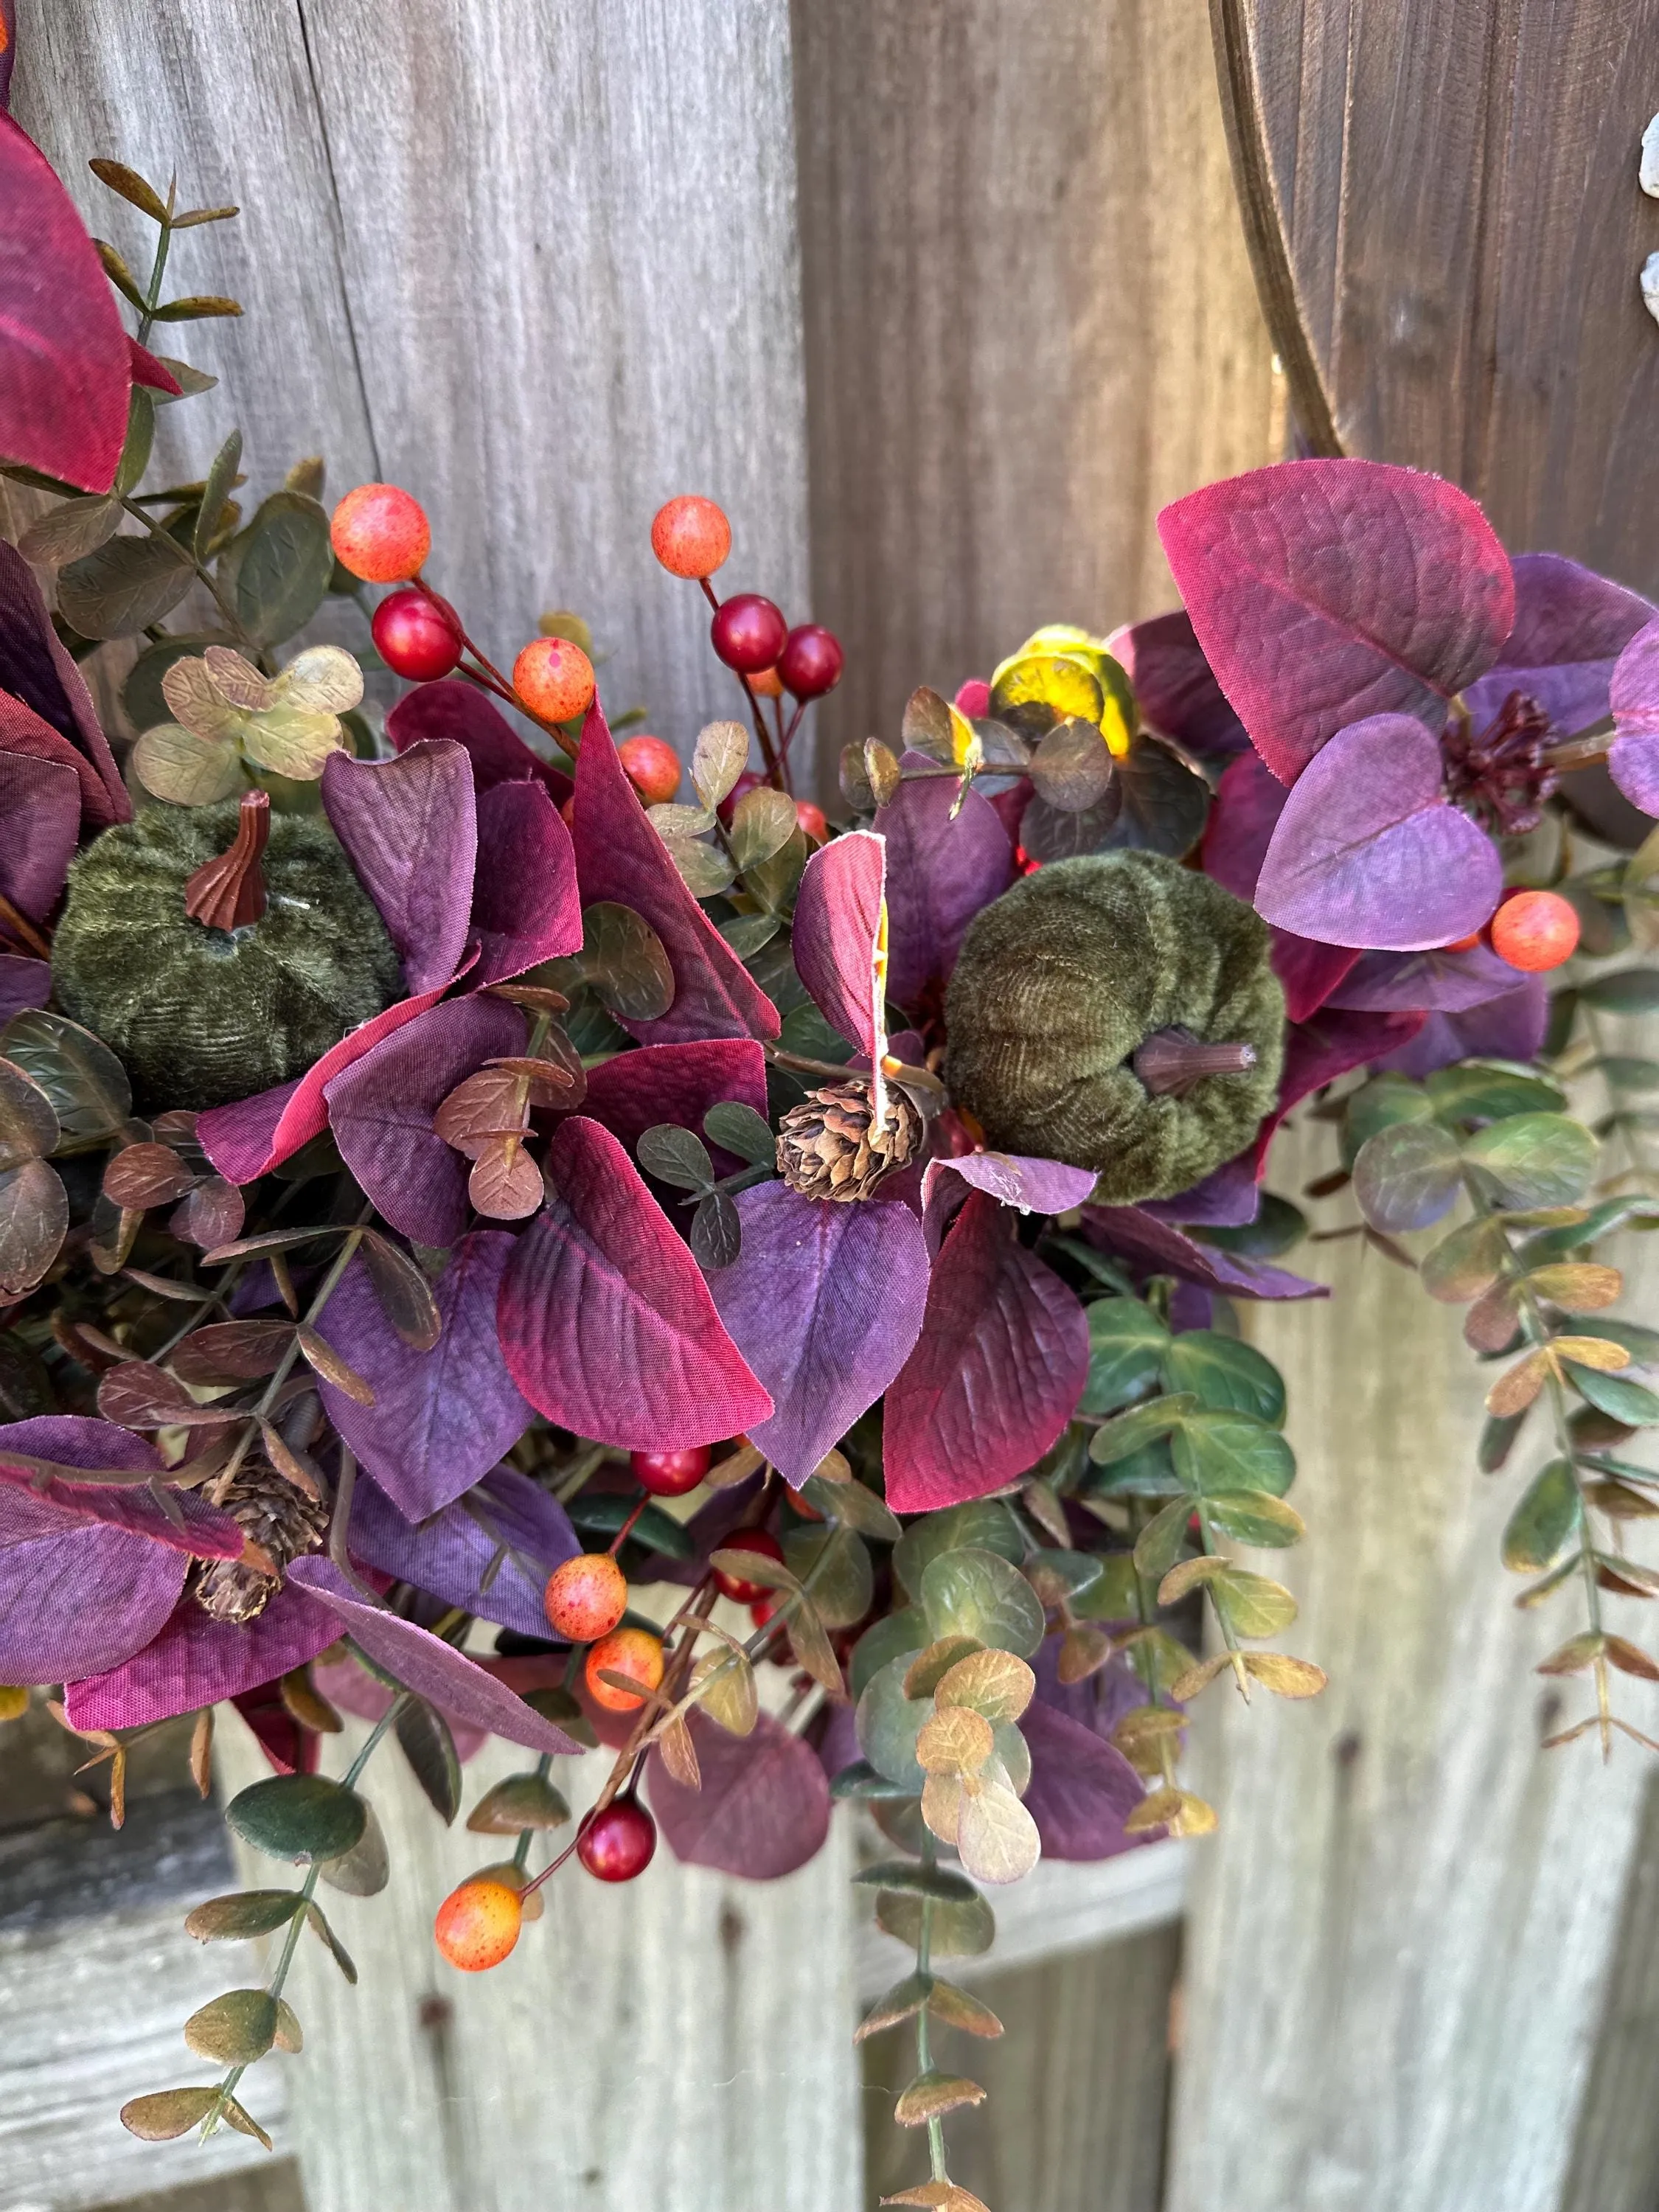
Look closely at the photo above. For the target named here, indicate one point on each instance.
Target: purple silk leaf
(40, 829)
(1368, 852)
(940, 874)
(526, 907)
(1322, 1047)
(196, 1661)
(80, 1603)
(620, 857)
(23, 982)
(836, 935)
(604, 1318)
(1033, 1186)
(64, 360)
(72, 1440)
(1327, 592)
(676, 1083)
(1509, 1028)
(1570, 626)
(505, 1518)
(1175, 686)
(44, 686)
(461, 712)
(1228, 1198)
(1633, 757)
(347, 1683)
(425, 1664)
(441, 1418)
(1134, 1232)
(1243, 815)
(764, 1809)
(381, 1110)
(410, 829)
(1434, 982)
(1082, 1790)
(996, 1372)
(825, 1301)
(248, 1138)
(1098, 1703)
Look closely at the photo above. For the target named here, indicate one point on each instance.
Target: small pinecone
(829, 1148)
(280, 1521)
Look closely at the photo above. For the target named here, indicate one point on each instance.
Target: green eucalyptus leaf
(604, 1513)
(1256, 1517)
(1626, 1400)
(1251, 1605)
(424, 1738)
(1545, 1525)
(88, 1086)
(1216, 1452)
(1127, 1434)
(1159, 1543)
(1482, 1091)
(958, 1930)
(1535, 1159)
(853, 1507)
(740, 1129)
(1407, 1175)
(984, 1523)
(298, 1816)
(1224, 1374)
(1467, 1262)
(1379, 1104)
(283, 567)
(128, 583)
(845, 1582)
(675, 1156)
(888, 1722)
(246, 1912)
(1126, 1345)
(895, 1636)
(1630, 991)
(977, 1593)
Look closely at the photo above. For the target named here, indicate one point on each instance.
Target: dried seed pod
(830, 1145)
(279, 1521)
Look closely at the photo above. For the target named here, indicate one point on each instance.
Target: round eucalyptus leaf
(235, 2029)
(1534, 1159)
(888, 1722)
(298, 1816)
(984, 1523)
(844, 1584)
(1225, 1375)
(975, 1593)
(1544, 1527)
(1407, 1175)
(1217, 1452)
(960, 1929)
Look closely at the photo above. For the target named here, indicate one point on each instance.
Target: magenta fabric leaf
(837, 939)
(441, 1418)
(40, 829)
(1243, 815)
(1633, 757)
(764, 1809)
(676, 1083)
(23, 982)
(44, 686)
(1368, 852)
(1570, 626)
(64, 359)
(75, 1440)
(425, 1664)
(247, 1138)
(620, 857)
(605, 1320)
(1226, 1198)
(146, 369)
(506, 1517)
(1175, 686)
(996, 1372)
(1327, 592)
(1436, 982)
(410, 831)
(196, 1661)
(824, 1302)
(1136, 1235)
(453, 709)
(381, 1111)
(1508, 1027)
(940, 874)
(1082, 1790)
(526, 906)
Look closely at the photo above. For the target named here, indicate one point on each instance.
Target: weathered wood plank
(1615, 2156)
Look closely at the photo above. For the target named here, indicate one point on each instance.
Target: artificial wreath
(491, 1244)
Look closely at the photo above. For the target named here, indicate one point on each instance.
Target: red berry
(813, 819)
(811, 662)
(763, 1609)
(690, 536)
(381, 534)
(652, 766)
(766, 684)
(669, 1473)
(478, 1924)
(554, 678)
(748, 781)
(634, 1652)
(747, 1540)
(974, 699)
(748, 633)
(587, 1596)
(416, 636)
(1534, 930)
(616, 1844)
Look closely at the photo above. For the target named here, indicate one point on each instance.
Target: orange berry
(587, 1596)
(769, 684)
(690, 536)
(631, 1651)
(652, 766)
(477, 1924)
(1462, 943)
(554, 678)
(1534, 930)
(813, 819)
(517, 1879)
(381, 534)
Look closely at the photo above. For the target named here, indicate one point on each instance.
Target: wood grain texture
(682, 2041)
(1615, 2156)
(1400, 1938)
(1028, 317)
(1449, 233)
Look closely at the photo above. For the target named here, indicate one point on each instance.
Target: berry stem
(622, 1534)
(767, 752)
(24, 929)
(487, 674)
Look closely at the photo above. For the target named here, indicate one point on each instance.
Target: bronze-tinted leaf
(1577, 1655)
(902, 2002)
(1084, 1650)
(143, 1175)
(289, 2036)
(995, 1684)
(306, 1704)
(954, 1741)
(1284, 1676)
(623, 959)
(1578, 1286)
(33, 1222)
(366, 1869)
(723, 1683)
(197, 307)
(168, 2113)
(404, 1293)
(211, 1215)
(137, 1394)
(237, 2116)
(234, 2029)
(29, 1126)
(186, 770)
(1492, 1320)
(881, 770)
(1631, 1659)
(245, 1913)
(231, 1350)
(1072, 768)
(291, 741)
(933, 2094)
(679, 1754)
(481, 1110)
(68, 532)
(505, 1184)
(761, 825)
(1515, 1390)
(996, 1838)
(131, 187)
(516, 1802)
(87, 1085)
(128, 583)
(319, 1355)
(929, 1667)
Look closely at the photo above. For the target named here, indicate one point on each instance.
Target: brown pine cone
(280, 1523)
(829, 1148)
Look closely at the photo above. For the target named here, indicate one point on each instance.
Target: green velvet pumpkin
(200, 1016)
(1061, 979)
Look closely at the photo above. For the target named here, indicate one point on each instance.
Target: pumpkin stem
(1170, 1061)
(229, 892)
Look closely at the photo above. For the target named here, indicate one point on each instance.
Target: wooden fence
(942, 299)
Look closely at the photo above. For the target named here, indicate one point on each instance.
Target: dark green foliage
(200, 1016)
(1064, 976)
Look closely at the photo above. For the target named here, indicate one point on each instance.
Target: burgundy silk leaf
(764, 1809)
(1327, 592)
(1570, 626)
(42, 684)
(1511, 1027)
(526, 906)
(441, 1418)
(836, 936)
(1368, 852)
(1433, 982)
(605, 1320)
(381, 1110)
(1135, 1234)
(23, 982)
(410, 829)
(64, 366)
(146, 369)
(40, 829)
(72, 1440)
(996, 1372)
(825, 1301)
(1633, 757)
(620, 857)
(1243, 815)
(939, 873)
(196, 1661)
(1082, 1790)
(461, 712)
(1175, 686)
(505, 1523)
(676, 1083)
(425, 1663)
